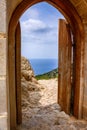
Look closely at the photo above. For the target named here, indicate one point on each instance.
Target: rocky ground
(46, 114)
(40, 110)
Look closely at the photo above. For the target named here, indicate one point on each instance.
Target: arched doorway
(74, 20)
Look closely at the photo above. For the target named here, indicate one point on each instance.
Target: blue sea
(41, 66)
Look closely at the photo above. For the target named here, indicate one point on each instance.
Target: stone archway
(73, 18)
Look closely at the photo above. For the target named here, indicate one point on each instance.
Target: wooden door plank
(64, 79)
(18, 73)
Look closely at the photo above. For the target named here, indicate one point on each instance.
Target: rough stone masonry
(10, 12)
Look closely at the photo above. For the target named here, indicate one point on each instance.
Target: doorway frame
(71, 15)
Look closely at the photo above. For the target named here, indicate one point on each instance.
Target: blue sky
(39, 30)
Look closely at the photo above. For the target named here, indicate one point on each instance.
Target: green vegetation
(49, 75)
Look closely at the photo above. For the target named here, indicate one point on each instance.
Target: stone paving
(45, 113)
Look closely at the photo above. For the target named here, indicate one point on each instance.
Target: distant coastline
(49, 75)
(41, 66)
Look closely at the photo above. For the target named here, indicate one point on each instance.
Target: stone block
(3, 123)
(2, 56)
(3, 96)
(3, 16)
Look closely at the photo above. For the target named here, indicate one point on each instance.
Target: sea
(41, 66)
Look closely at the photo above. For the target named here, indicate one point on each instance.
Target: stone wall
(7, 8)
(11, 6)
(3, 85)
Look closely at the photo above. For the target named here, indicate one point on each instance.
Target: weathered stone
(3, 16)
(2, 35)
(3, 96)
(3, 123)
(79, 9)
(34, 97)
(30, 87)
(26, 69)
(47, 115)
(3, 56)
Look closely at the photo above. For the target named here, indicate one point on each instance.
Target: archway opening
(78, 40)
(39, 27)
(40, 42)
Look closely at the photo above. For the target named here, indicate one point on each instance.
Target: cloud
(39, 37)
(39, 27)
(38, 31)
(34, 25)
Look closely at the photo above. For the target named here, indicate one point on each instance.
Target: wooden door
(18, 73)
(64, 78)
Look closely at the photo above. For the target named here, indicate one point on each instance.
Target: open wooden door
(64, 77)
(18, 73)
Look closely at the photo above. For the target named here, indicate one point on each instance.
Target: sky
(39, 32)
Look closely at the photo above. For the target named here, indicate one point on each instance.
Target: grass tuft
(48, 75)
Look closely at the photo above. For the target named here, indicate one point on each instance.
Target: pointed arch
(67, 9)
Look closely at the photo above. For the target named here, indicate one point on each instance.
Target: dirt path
(45, 113)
